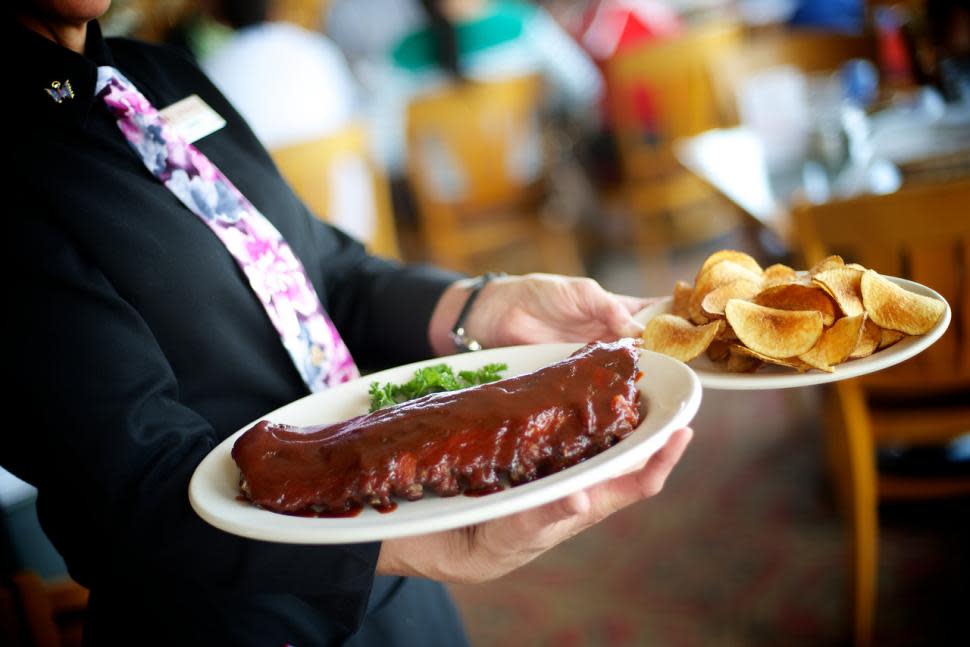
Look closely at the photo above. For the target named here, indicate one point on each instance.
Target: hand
(492, 549)
(535, 309)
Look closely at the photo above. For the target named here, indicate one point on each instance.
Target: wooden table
(732, 160)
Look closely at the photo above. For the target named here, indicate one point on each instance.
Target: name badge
(192, 118)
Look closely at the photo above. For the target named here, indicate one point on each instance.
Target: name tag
(192, 118)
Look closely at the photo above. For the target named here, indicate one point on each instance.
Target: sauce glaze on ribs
(522, 428)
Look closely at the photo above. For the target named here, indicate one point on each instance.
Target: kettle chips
(744, 316)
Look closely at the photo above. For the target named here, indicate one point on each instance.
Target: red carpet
(743, 547)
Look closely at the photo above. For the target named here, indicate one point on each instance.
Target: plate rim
(473, 510)
(723, 381)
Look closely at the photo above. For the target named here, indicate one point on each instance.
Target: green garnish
(431, 379)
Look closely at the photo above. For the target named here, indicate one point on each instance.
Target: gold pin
(58, 91)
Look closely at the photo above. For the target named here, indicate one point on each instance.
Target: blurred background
(627, 140)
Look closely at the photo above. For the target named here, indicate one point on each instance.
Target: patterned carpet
(743, 547)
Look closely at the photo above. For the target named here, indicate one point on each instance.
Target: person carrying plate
(169, 288)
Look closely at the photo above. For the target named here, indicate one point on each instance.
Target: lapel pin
(58, 92)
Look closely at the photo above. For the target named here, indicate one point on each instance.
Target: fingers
(620, 492)
(582, 509)
(633, 305)
(569, 507)
(654, 474)
(615, 311)
(499, 546)
(520, 537)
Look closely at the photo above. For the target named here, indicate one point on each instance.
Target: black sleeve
(381, 308)
(99, 428)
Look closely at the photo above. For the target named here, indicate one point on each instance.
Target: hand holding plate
(543, 308)
(491, 549)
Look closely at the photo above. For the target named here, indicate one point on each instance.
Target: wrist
(434, 557)
(453, 327)
(461, 334)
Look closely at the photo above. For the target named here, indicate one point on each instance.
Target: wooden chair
(922, 234)
(35, 613)
(470, 149)
(657, 93)
(318, 169)
(810, 51)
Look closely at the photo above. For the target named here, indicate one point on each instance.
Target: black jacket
(137, 346)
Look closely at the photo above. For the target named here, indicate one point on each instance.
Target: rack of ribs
(519, 428)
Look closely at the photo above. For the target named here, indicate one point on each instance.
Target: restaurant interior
(627, 141)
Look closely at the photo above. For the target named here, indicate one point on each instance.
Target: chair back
(475, 146)
(337, 178)
(922, 234)
(810, 51)
(661, 91)
(475, 165)
(35, 613)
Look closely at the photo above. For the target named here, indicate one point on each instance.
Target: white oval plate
(670, 391)
(713, 376)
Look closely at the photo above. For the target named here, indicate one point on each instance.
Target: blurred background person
(478, 40)
(290, 84)
(296, 91)
(365, 41)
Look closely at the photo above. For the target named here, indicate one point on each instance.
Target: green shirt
(505, 23)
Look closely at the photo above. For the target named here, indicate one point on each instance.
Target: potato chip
(790, 362)
(804, 319)
(727, 333)
(738, 362)
(715, 276)
(718, 350)
(889, 337)
(713, 304)
(739, 258)
(830, 263)
(895, 308)
(868, 340)
(843, 285)
(836, 343)
(773, 332)
(778, 274)
(795, 296)
(678, 337)
(681, 298)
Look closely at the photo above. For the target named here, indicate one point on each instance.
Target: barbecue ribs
(521, 428)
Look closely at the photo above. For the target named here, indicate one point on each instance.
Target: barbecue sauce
(519, 429)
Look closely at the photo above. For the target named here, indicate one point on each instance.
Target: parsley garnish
(431, 379)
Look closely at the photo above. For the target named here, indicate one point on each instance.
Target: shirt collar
(44, 65)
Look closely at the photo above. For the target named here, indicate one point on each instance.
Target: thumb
(617, 318)
(634, 304)
(610, 310)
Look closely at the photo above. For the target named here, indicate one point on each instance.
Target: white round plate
(714, 376)
(669, 390)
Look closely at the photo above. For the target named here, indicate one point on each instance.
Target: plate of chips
(743, 327)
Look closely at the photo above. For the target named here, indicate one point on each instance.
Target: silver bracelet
(463, 342)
